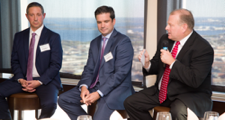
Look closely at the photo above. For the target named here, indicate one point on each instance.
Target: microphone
(165, 47)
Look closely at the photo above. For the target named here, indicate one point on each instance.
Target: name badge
(108, 57)
(44, 47)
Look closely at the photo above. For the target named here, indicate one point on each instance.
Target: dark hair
(185, 17)
(105, 9)
(35, 4)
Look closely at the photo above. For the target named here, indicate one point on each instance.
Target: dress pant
(70, 103)
(46, 93)
(139, 104)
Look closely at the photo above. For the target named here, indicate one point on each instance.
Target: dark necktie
(102, 53)
(165, 78)
(30, 58)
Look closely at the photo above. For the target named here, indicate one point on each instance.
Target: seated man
(107, 75)
(183, 76)
(36, 60)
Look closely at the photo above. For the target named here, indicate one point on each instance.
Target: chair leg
(36, 113)
(20, 115)
(123, 113)
(91, 109)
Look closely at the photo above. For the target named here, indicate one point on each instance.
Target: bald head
(185, 17)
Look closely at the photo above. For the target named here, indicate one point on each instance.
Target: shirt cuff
(40, 82)
(148, 67)
(172, 64)
(100, 93)
(19, 80)
(82, 86)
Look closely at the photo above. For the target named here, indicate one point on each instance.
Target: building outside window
(210, 24)
(74, 20)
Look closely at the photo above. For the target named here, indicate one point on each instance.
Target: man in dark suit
(107, 75)
(188, 69)
(36, 60)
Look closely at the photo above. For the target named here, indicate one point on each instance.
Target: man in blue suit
(46, 62)
(107, 75)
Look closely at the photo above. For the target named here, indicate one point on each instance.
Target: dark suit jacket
(115, 74)
(48, 63)
(190, 76)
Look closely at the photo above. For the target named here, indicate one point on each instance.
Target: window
(210, 24)
(74, 20)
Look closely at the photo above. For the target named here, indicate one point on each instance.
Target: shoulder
(200, 40)
(97, 39)
(49, 32)
(119, 37)
(200, 45)
(119, 34)
(26, 31)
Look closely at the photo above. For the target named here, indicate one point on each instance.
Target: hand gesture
(147, 58)
(84, 93)
(31, 85)
(91, 98)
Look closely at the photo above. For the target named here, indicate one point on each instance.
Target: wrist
(83, 87)
(147, 65)
(40, 82)
(19, 80)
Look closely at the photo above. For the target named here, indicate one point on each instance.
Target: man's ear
(184, 27)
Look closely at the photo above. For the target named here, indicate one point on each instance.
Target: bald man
(183, 72)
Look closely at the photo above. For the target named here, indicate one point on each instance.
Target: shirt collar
(108, 36)
(184, 40)
(38, 31)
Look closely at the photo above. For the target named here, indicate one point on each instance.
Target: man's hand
(91, 98)
(31, 85)
(147, 58)
(166, 57)
(84, 93)
(23, 82)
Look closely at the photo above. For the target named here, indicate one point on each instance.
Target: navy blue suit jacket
(48, 63)
(115, 74)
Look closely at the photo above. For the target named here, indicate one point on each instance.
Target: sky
(86, 8)
(123, 8)
(206, 8)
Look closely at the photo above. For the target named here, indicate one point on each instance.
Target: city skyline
(86, 8)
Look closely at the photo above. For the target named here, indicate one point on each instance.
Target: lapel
(108, 46)
(99, 47)
(186, 46)
(26, 43)
(41, 40)
(170, 45)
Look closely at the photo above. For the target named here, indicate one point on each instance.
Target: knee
(128, 102)
(2, 96)
(61, 100)
(179, 112)
(49, 105)
(178, 115)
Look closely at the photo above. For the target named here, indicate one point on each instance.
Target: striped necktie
(165, 78)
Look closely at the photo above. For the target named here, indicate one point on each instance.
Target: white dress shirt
(37, 37)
